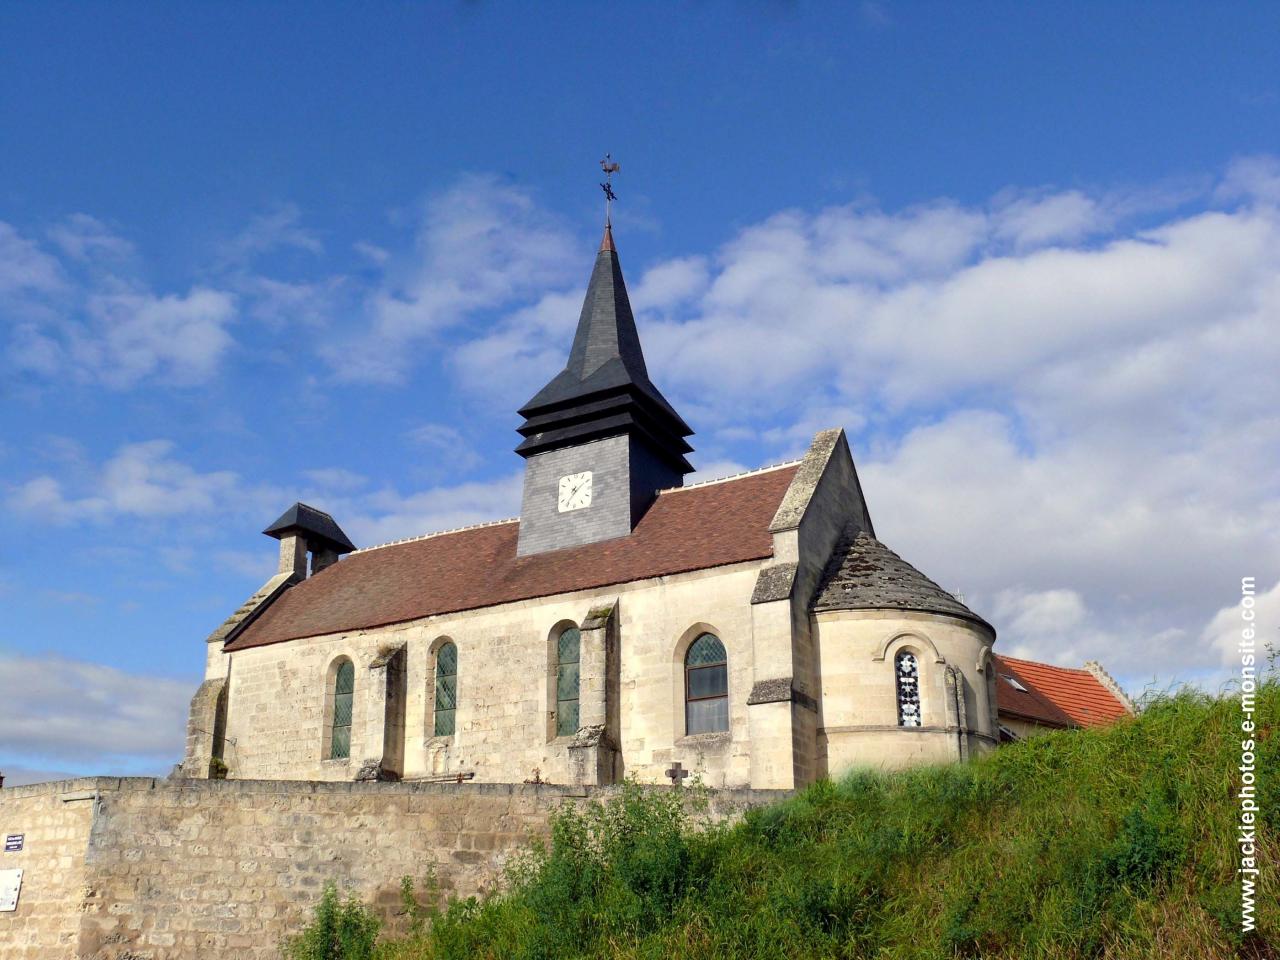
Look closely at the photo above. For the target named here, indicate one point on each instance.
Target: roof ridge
(732, 476)
(1041, 663)
(495, 523)
(437, 533)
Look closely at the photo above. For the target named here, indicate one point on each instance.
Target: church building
(750, 631)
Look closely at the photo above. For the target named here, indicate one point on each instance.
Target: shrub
(1108, 843)
(338, 931)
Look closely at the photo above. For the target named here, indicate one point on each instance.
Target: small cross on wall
(677, 774)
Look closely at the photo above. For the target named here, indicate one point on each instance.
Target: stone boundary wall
(146, 869)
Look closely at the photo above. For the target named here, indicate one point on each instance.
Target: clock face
(575, 492)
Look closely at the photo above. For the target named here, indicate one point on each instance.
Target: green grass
(1110, 843)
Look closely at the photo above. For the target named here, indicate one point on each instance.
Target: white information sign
(10, 886)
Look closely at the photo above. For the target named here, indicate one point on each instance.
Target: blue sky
(1025, 253)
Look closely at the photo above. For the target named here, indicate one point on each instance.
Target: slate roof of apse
(864, 574)
(1076, 693)
(687, 529)
(310, 520)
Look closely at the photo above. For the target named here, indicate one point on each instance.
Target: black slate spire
(605, 389)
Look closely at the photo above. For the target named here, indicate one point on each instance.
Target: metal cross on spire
(609, 168)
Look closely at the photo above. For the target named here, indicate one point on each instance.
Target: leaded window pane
(707, 716)
(569, 646)
(566, 718)
(444, 723)
(708, 681)
(346, 679)
(568, 654)
(446, 702)
(342, 710)
(344, 684)
(908, 679)
(706, 649)
(567, 681)
(446, 693)
(706, 686)
(341, 743)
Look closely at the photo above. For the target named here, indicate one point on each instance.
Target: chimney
(293, 555)
(324, 557)
(301, 529)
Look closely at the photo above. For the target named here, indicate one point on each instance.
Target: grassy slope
(1113, 843)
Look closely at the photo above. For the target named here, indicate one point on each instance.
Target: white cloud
(1063, 401)
(670, 283)
(1252, 177)
(1224, 633)
(17, 776)
(507, 365)
(277, 303)
(72, 711)
(1040, 612)
(85, 318)
(85, 238)
(715, 469)
(24, 267)
(136, 335)
(278, 229)
(387, 515)
(1057, 217)
(481, 245)
(141, 481)
(336, 479)
(145, 482)
(451, 452)
(255, 565)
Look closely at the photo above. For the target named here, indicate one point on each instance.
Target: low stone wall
(142, 869)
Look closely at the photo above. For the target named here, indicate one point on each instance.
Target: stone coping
(102, 785)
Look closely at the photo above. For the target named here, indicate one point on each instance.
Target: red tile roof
(1057, 696)
(690, 529)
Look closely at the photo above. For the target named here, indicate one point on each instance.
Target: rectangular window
(707, 716)
(708, 681)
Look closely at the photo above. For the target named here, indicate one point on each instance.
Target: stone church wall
(276, 704)
(182, 869)
(859, 694)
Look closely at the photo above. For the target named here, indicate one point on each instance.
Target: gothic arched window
(446, 702)
(907, 671)
(706, 686)
(568, 655)
(344, 687)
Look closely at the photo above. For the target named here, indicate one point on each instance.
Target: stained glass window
(908, 674)
(344, 686)
(446, 689)
(568, 655)
(706, 686)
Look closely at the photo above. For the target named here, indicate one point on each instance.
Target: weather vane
(609, 168)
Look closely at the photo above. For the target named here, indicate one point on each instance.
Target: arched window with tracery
(706, 686)
(568, 661)
(907, 670)
(446, 700)
(344, 688)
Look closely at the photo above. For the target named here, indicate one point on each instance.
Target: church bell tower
(600, 440)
